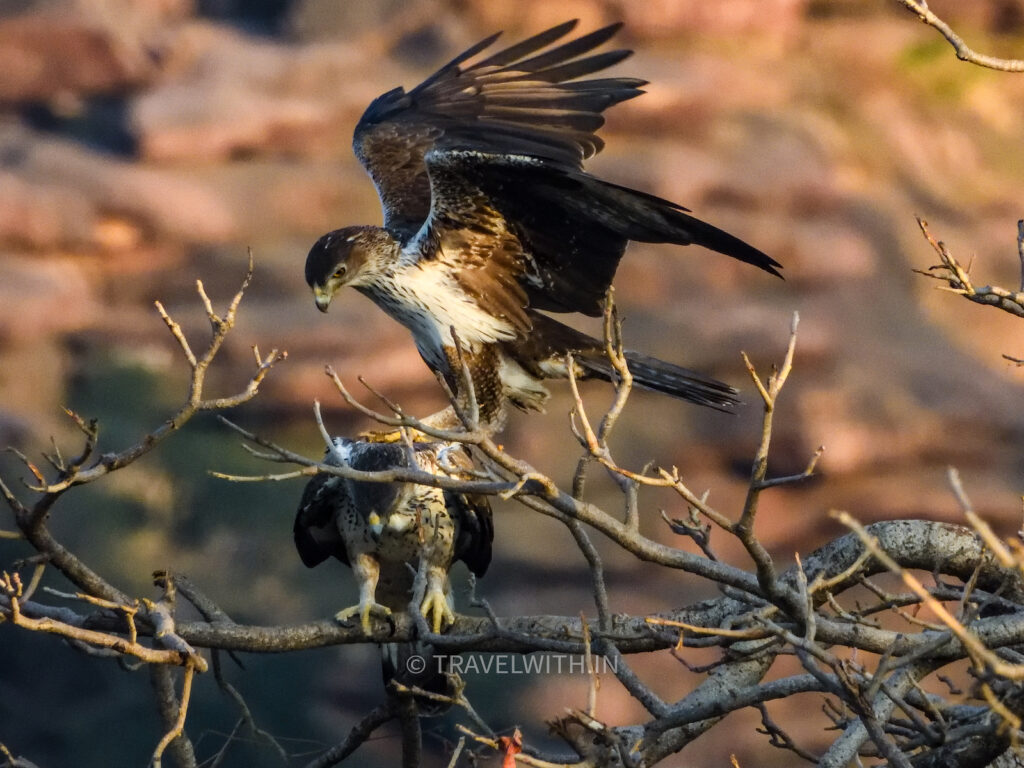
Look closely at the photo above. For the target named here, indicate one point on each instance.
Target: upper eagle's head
(343, 257)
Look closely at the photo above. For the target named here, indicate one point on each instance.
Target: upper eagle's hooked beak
(322, 297)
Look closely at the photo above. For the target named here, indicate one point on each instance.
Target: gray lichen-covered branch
(815, 610)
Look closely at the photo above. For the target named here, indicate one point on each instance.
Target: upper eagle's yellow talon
(376, 436)
(395, 435)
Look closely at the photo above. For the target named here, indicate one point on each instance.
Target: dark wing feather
(473, 516)
(545, 61)
(516, 100)
(559, 230)
(316, 522)
(519, 50)
(476, 530)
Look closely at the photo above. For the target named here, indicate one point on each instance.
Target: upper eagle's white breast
(428, 301)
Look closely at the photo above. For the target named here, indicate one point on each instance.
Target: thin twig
(172, 712)
(359, 734)
(179, 723)
(744, 527)
(963, 51)
(958, 279)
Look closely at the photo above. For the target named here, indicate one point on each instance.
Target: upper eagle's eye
(339, 272)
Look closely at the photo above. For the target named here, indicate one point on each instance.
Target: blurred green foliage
(933, 70)
(59, 706)
(65, 708)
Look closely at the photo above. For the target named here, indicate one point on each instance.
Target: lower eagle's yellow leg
(364, 609)
(367, 572)
(436, 606)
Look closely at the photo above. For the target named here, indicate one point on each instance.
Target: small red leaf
(511, 746)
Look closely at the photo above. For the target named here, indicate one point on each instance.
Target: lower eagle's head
(343, 257)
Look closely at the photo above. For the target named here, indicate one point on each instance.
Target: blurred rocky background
(145, 144)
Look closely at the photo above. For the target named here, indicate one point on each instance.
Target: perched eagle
(384, 531)
(490, 221)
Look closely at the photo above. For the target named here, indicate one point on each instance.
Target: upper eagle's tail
(545, 348)
(652, 373)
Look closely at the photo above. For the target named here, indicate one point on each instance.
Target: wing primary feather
(529, 45)
(569, 50)
(591, 101)
(573, 69)
(504, 103)
(609, 84)
(454, 63)
(546, 117)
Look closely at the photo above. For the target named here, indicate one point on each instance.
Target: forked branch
(958, 278)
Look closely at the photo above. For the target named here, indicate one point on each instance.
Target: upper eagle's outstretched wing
(479, 169)
(518, 100)
(516, 230)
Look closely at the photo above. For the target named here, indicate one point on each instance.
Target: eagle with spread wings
(490, 223)
(380, 529)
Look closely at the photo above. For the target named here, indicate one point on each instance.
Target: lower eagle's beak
(322, 297)
(376, 525)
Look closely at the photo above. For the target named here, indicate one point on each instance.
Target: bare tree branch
(359, 733)
(808, 611)
(958, 279)
(963, 51)
(172, 712)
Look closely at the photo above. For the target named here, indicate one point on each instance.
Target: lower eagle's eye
(339, 273)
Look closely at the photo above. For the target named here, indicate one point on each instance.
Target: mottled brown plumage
(385, 531)
(489, 219)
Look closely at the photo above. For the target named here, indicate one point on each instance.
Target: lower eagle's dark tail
(416, 665)
(651, 373)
